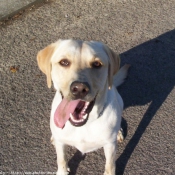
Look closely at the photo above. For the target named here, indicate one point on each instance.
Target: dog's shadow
(151, 79)
(74, 162)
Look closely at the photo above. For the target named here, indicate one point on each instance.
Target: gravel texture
(143, 32)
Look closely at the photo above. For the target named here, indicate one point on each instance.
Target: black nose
(79, 89)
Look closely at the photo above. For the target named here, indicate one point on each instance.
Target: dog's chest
(85, 146)
(85, 139)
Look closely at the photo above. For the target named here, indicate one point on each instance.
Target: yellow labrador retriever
(87, 108)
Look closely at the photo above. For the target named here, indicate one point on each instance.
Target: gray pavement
(143, 32)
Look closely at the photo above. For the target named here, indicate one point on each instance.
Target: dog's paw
(120, 136)
(63, 172)
(110, 170)
(107, 173)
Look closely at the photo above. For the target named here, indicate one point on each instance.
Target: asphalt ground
(143, 32)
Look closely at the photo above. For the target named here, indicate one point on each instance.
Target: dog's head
(81, 71)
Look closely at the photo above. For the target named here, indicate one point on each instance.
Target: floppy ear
(114, 65)
(43, 58)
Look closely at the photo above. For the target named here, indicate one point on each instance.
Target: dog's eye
(64, 63)
(96, 64)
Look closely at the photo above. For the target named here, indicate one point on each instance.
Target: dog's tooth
(86, 104)
(84, 116)
(71, 116)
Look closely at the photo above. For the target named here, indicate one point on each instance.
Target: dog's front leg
(110, 154)
(61, 159)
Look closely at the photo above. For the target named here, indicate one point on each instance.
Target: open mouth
(76, 111)
(81, 113)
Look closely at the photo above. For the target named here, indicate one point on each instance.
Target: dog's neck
(100, 105)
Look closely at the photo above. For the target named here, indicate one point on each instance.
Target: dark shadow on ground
(74, 162)
(151, 79)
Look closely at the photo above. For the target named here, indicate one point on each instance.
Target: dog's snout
(79, 89)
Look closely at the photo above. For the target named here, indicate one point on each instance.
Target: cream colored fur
(103, 125)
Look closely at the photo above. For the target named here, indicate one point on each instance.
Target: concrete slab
(10, 7)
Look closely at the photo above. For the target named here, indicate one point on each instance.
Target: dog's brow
(96, 58)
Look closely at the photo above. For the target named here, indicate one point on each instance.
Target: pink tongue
(63, 111)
